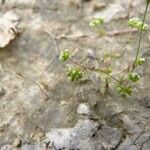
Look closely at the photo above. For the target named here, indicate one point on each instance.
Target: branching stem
(94, 69)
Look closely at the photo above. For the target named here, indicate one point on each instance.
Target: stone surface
(146, 101)
(85, 135)
(2, 91)
(74, 138)
(146, 146)
(8, 27)
(37, 102)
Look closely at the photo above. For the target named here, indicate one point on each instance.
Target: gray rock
(86, 135)
(128, 145)
(146, 145)
(7, 147)
(74, 138)
(109, 137)
(31, 147)
(40, 146)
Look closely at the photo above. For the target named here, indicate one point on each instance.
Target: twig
(129, 9)
(120, 32)
(44, 97)
(128, 67)
(54, 38)
(56, 47)
(64, 36)
(113, 33)
(127, 42)
(54, 41)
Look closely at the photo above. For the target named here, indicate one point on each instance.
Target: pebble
(17, 143)
(83, 109)
(2, 91)
(62, 103)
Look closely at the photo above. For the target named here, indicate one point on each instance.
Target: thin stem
(140, 38)
(124, 70)
(34, 82)
(102, 71)
(127, 42)
(85, 68)
(93, 69)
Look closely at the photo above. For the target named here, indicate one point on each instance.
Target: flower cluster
(134, 77)
(124, 90)
(65, 55)
(137, 23)
(140, 61)
(74, 74)
(96, 22)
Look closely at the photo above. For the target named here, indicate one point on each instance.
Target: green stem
(140, 38)
(97, 70)
(112, 77)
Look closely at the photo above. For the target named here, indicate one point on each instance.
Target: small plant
(74, 74)
(124, 90)
(123, 82)
(140, 61)
(134, 77)
(65, 55)
(96, 22)
(137, 23)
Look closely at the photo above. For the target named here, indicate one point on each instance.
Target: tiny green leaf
(65, 55)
